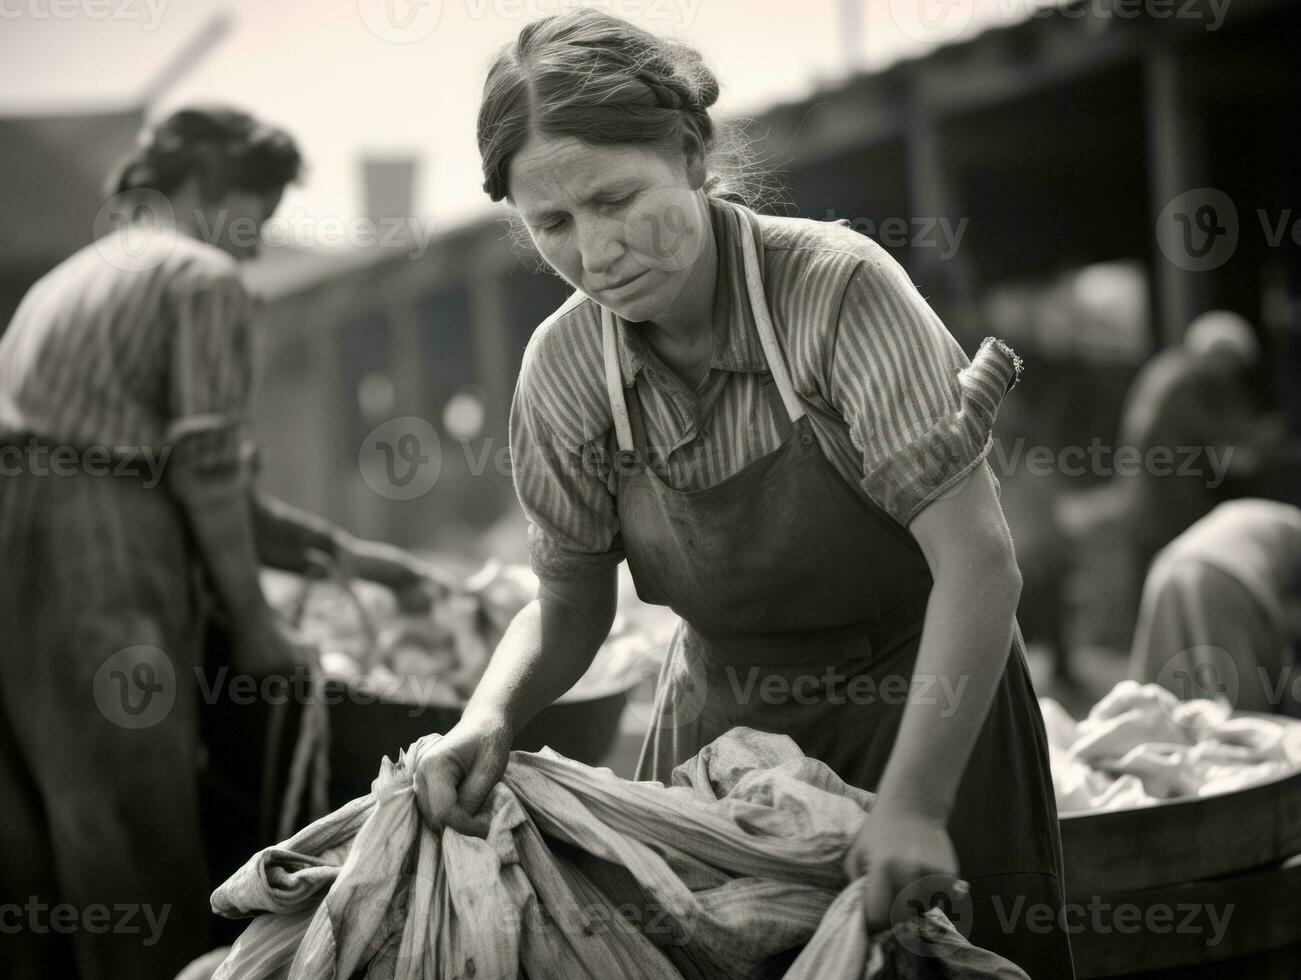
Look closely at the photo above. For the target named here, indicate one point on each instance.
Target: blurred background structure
(1043, 174)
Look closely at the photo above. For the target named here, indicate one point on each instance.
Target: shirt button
(807, 439)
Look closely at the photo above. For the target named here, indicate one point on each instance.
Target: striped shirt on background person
(92, 357)
(897, 406)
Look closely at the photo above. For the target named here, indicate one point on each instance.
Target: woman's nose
(600, 243)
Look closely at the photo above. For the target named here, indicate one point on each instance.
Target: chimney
(850, 24)
(389, 187)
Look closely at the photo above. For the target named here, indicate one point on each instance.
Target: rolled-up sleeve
(919, 412)
(561, 480)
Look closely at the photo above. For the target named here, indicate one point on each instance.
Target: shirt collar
(736, 338)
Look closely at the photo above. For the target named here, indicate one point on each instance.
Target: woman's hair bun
(598, 78)
(246, 153)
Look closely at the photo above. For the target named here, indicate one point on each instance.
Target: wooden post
(1176, 163)
(931, 197)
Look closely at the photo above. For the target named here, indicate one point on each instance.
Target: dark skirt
(99, 641)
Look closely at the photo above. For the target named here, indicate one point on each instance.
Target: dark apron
(802, 605)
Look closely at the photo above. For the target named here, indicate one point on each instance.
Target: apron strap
(638, 420)
(614, 382)
(767, 336)
(763, 321)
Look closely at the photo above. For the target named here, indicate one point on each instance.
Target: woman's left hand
(896, 850)
(416, 583)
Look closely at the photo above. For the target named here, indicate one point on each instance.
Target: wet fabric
(583, 874)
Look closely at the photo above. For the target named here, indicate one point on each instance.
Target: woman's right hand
(455, 775)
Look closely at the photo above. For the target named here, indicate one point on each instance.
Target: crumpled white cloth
(1141, 744)
(583, 874)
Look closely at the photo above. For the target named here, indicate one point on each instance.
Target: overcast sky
(354, 76)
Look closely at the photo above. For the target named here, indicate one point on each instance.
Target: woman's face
(622, 223)
(234, 224)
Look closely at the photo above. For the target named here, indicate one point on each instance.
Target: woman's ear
(211, 173)
(695, 160)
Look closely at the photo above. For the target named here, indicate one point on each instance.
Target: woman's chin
(637, 310)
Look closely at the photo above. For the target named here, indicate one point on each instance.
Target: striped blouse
(93, 356)
(895, 403)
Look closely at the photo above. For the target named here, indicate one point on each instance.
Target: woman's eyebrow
(617, 184)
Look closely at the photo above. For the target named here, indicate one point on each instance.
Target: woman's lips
(610, 290)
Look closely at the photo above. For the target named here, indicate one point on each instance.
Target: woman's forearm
(964, 648)
(544, 652)
(285, 534)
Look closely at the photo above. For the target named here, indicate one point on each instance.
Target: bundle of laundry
(440, 654)
(1141, 744)
(583, 874)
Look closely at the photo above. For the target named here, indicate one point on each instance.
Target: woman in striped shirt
(769, 423)
(125, 379)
